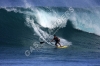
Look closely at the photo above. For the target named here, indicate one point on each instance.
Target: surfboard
(62, 47)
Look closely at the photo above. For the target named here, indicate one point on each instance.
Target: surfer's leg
(56, 44)
(59, 44)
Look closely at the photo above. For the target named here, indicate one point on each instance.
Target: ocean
(22, 30)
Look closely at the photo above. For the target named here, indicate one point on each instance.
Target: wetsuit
(57, 40)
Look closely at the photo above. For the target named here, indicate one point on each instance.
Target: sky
(57, 3)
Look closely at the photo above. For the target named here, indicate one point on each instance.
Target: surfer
(57, 41)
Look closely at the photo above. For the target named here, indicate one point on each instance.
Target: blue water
(21, 30)
(48, 63)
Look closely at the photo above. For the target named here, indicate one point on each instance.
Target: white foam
(49, 19)
(65, 42)
(88, 22)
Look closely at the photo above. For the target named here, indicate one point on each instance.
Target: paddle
(42, 42)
